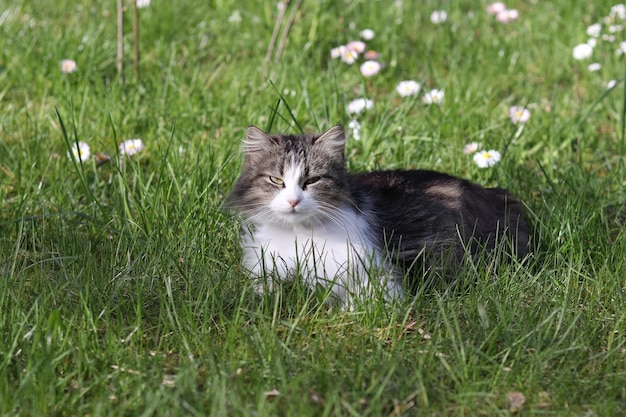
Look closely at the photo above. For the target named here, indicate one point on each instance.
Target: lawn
(121, 291)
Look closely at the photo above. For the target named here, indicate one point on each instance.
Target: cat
(306, 216)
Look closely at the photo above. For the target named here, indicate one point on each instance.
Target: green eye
(312, 180)
(276, 180)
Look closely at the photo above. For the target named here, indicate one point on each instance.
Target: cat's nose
(294, 203)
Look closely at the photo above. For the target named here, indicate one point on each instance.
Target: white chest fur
(340, 256)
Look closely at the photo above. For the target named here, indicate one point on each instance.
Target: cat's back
(422, 187)
(414, 207)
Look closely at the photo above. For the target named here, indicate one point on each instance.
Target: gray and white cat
(307, 216)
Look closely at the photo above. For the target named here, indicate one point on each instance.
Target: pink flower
(507, 16)
(371, 55)
(356, 46)
(471, 148)
(495, 8)
(68, 66)
(347, 55)
(370, 68)
(439, 16)
(519, 114)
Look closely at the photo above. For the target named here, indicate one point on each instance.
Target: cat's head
(290, 179)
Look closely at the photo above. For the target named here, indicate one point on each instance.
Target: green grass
(120, 286)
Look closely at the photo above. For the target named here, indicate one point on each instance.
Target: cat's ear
(334, 139)
(256, 140)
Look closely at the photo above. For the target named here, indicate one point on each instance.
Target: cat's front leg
(264, 268)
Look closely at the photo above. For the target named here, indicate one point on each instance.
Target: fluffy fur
(306, 216)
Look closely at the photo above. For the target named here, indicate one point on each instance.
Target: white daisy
(485, 159)
(433, 97)
(594, 67)
(594, 30)
(131, 146)
(359, 105)
(80, 151)
(438, 17)
(356, 129)
(367, 34)
(68, 66)
(408, 88)
(582, 51)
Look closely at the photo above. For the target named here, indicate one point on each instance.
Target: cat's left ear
(334, 139)
(256, 140)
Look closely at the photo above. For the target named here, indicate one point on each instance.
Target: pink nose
(293, 203)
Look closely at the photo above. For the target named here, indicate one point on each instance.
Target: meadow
(121, 291)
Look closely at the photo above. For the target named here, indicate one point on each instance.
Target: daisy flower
(582, 51)
(433, 97)
(68, 66)
(438, 17)
(143, 3)
(611, 84)
(608, 38)
(371, 55)
(495, 8)
(486, 159)
(359, 105)
(370, 68)
(131, 146)
(348, 55)
(356, 129)
(471, 148)
(408, 88)
(594, 30)
(367, 34)
(519, 114)
(80, 151)
(618, 11)
(356, 46)
(594, 67)
(622, 48)
(507, 16)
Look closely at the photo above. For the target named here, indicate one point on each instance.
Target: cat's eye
(312, 180)
(276, 180)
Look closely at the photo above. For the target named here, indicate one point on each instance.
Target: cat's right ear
(334, 139)
(256, 140)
